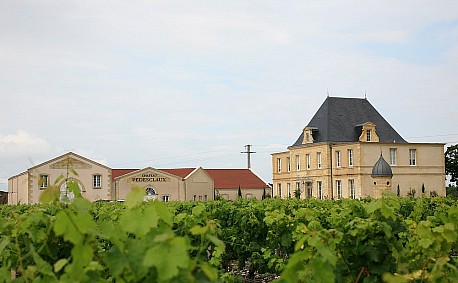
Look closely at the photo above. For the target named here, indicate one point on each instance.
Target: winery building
(99, 182)
(348, 150)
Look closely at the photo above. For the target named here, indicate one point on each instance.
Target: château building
(99, 182)
(348, 150)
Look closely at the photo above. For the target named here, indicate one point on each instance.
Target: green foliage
(385, 240)
(451, 162)
(452, 192)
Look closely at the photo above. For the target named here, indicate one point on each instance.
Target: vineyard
(286, 240)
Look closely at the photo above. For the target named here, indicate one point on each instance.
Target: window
(194, 198)
(412, 157)
(368, 135)
(351, 186)
(392, 156)
(319, 186)
(350, 157)
(279, 190)
(318, 158)
(307, 157)
(43, 182)
(298, 163)
(309, 190)
(97, 181)
(307, 137)
(339, 188)
(279, 165)
(165, 198)
(205, 197)
(288, 189)
(288, 164)
(298, 186)
(150, 192)
(338, 158)
(200, 198)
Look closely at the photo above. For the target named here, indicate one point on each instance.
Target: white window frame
(298, 163)
(368, 135)
(308, 161)
(350, 157)
(44, 181)
(288, 189)
(97, 181)
(279, 189)
(279, 165)
(393, 152)
(165, 198)
(318, 157)
(338, 163)
(351, 187)
(288, 164)
(412, 157)
(339, 189)
(319, 188)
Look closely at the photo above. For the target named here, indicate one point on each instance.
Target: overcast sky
(172, 84)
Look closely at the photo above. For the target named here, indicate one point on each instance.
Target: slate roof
(339, 120)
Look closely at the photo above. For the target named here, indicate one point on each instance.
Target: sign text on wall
(149, 178)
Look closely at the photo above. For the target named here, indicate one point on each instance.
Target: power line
(176, 156)
(432, 136)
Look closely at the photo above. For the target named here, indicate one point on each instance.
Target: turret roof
(382, 168)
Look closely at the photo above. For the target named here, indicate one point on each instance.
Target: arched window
(150, 193)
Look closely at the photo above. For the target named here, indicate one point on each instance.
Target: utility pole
(248, 152)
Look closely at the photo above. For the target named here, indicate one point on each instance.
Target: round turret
(381, 168)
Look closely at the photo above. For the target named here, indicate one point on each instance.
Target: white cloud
(129, 81)
(22, 144)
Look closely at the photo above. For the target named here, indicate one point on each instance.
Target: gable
(148, 175)
(71, 160)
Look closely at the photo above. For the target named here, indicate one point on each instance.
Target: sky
(175, 84)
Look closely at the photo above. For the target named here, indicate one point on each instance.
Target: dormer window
(308, 135)
(368, 132)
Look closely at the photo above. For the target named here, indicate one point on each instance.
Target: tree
(451, 162)
(297, 193)
(452, 192)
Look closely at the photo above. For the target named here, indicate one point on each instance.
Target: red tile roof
(222, 178)
(119, 172)
(235, 178)
(181, 172)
